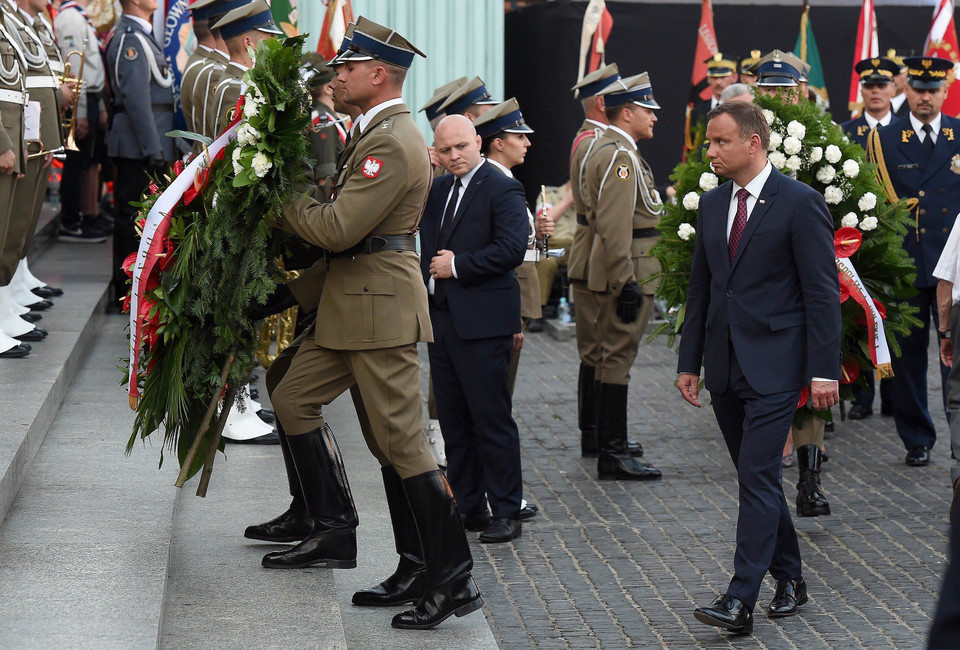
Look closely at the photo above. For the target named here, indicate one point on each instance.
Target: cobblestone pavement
(618, 564)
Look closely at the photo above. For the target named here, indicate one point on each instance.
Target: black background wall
(543, 48)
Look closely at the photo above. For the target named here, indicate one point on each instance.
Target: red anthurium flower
(846, 241)
(881, 309)
(804, 396)
(153, 188)
(129, 263)
(178, 167)
(849, 371)
(844, 292)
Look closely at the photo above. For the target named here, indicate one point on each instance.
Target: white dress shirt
(918, 127)
(873, 122)
(754, 187)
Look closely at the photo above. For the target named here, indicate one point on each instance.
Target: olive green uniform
(200, 78)
(325, 141)
(219, 108)
(11, 134)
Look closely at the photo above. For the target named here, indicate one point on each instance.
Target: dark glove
(278, 301)
(629, 302)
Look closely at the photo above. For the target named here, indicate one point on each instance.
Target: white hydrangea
(868, 223)
(777, 159)
(237, 167)
(796, 129)
(794, 163)
(691, 201)
(775, 141)
(261, 164)
(851, 168)
(816, 154)
(833, 154)
(792, 145)
(826, 174)
(708, 181)
(833, 195)
(769, 116)
(868, 201)
(850, 220)
(686, 231)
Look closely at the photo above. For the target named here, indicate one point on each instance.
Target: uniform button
(946, 230)
(366, 289)
(923, 230)
(922, 193)
(730, 294)
(944, 210)
(923, 211)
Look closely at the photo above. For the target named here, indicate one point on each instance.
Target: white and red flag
(597, 24)
(942, 42)
(339, 15)
(867, 47)
(706, 48)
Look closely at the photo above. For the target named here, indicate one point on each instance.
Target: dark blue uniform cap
(217, 9)
(372, 41)
(502, 118)
(927, 72)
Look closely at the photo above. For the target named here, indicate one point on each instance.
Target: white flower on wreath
(832, 154)
(777, 159)
(868, 223)
(792, 145)
(826, 174)
(867, 202)
(775, 141)
(246, 134)
(261, 164)
(850, 220)
(851, 168)
(796, 130)
(250, 108)
(686, 231)
(769, 116)
(237, 167)
(816, 154)
(708, 181)
(833, 195)
(691, 201)
(214, 200)
(794, 163)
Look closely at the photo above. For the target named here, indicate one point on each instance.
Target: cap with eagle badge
(927, 72)
(502, 118)
(372, 41)
(636, 89)
(892, 55)
(440, 95)
(472, 93)
(773, 70)
(717, 66)
(747, 63)
(596, 81)
(877, 70)
(253, 16)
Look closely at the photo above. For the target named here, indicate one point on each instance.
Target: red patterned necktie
(739, 222)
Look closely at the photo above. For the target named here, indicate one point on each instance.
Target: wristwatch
(943, 335)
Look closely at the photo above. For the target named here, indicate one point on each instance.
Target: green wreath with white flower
(806, 143)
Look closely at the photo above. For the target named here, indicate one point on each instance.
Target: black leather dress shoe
(44, 292)
(267, 416)
(40, 305)
(918, 457)
(476, 522)
(789, 595)
(727, 612)
(588, 450)
(31, 317)
(16, 352)
(271, 438)
(53, 291)
(289, 527)
(36, 334)
(625, 468)
(535, 325)
(501, 529)
(529, 511)
(860, 412)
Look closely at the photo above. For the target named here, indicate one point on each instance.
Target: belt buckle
(372, 242)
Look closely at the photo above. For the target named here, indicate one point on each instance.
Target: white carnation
(794, 163)
(833, 154)
(213, 202)
(777, 159)
(816, 154)
(237, 167)
(850, 220)
(770, 117)
(826, 174)
(708, 181)
(686, 231)
(868, 201)
(250, 108)
(851, 168)
(261, 164)
(868, 223)
(796, 129)
(833, 195)
(246, 134)
(792, 145)
(775, 141)
(691, 200)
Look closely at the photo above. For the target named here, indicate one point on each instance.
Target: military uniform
(200, 78)
(717, 67)
(930, 181)
(327, 139)
(219, 110)
(12, 96)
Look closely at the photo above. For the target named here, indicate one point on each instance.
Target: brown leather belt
(377, 243)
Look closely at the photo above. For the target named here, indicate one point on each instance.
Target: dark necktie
(446, 226)
(928, 142)
(739, 222)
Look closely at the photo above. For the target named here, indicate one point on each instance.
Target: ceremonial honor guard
(899, 104)
(918, 156)
(876, 90)
(623, 207)
(205, 66)
(327, 133)
(372, 312)
(588, 344)
(471, 99)
(141, 84)
(721, 73)
(747, 74)
(440, 95)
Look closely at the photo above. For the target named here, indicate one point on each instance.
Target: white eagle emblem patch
(371, 167)
(623, 172)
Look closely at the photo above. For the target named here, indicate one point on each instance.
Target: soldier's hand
(544, 224)
(69, 92)
(8, 160)
(82, 128)
(628, 303)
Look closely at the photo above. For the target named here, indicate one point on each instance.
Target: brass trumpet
(70, 125)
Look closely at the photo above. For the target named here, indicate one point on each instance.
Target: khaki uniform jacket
(12, 79)
(200, 78)
(621, 198)
(42, 84)
(376, 300)
(579, 257)
(325, 142)
(219, 110)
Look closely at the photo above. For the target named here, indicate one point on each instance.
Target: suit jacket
(488, 239)
(934, 182)
(779, 302)
(376, 300)
(857, 130)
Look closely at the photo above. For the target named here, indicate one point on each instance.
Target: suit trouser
(909, 383)
(77, 163)
(481, 437)
(24, 216)
(953, 396)
(8, 183)
(388, 380)
(945, 628)
(585, 303)
(130, 182)
(619, 341)
(755, 429)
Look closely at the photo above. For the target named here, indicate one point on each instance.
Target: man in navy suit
(919, 158)
(473, 236)
(763, 318)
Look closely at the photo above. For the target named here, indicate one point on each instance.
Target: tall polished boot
(450, 588)
(326, 492)
(409, 581)
(587, 410)
(614, 460)
(295, 524)
(810, 499)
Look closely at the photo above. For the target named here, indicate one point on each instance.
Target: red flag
(597, 24)
(339, 15)
(866, 48)
(706, 48)
(942, 42)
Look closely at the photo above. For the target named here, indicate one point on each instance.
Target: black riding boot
(614, 460)
(295, 524)
(326, 492)
(450, 588)
(587, 410)
(409, 581)
(810, 499)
